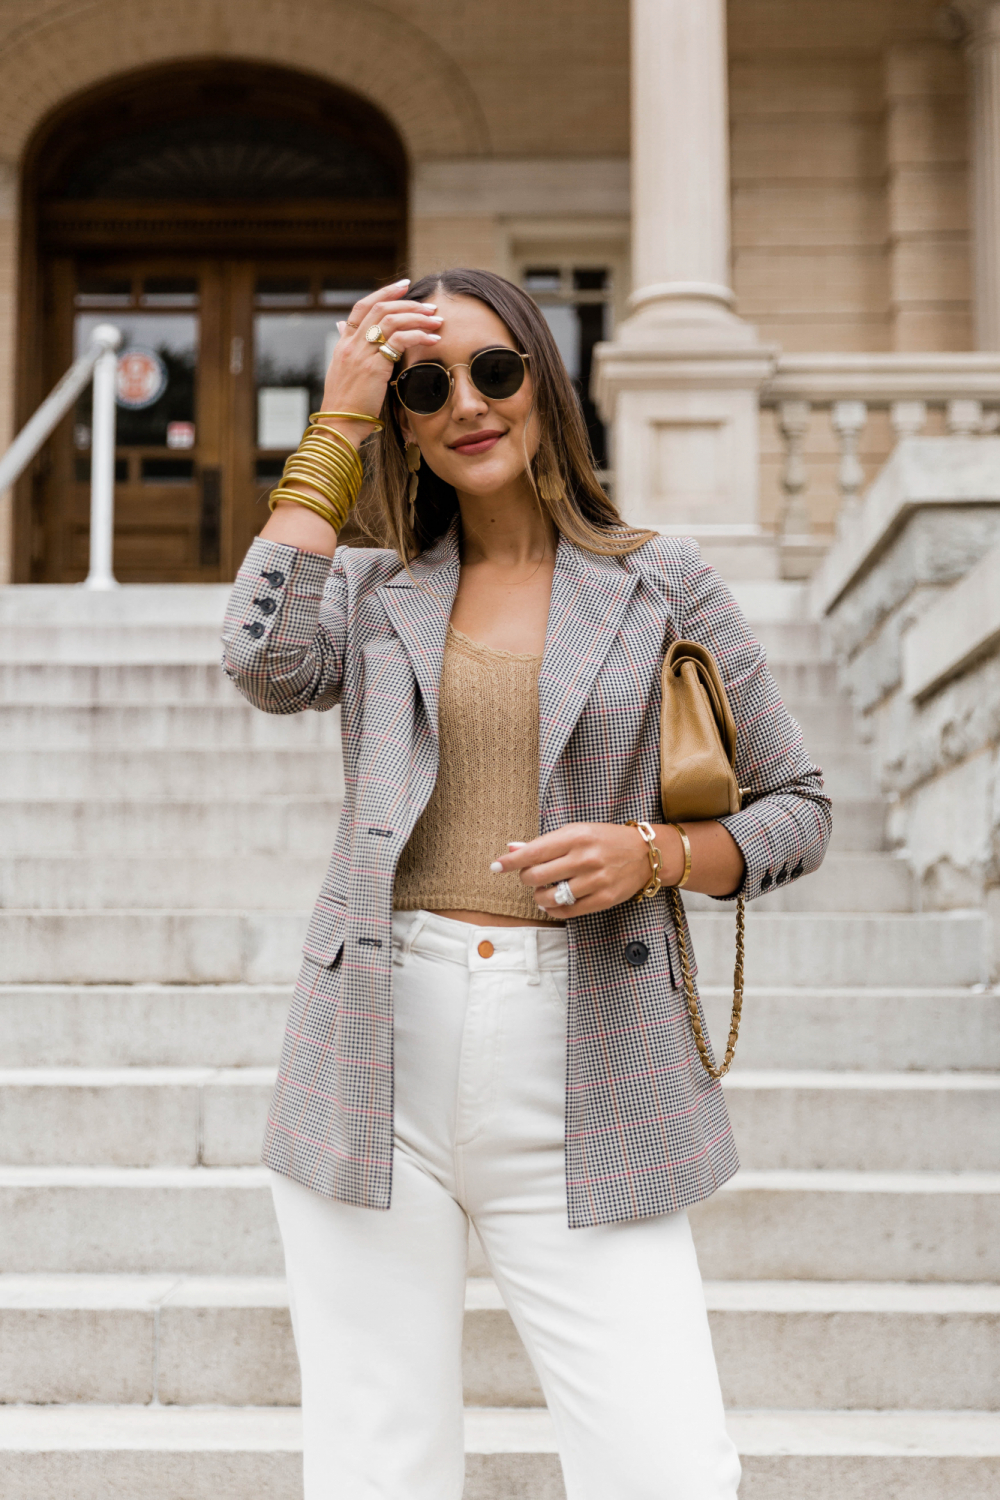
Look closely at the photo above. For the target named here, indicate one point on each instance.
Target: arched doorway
(223, 216)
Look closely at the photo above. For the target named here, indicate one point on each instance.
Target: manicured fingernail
(404, 282)
(429, 306)
(517, 844)
(341, 327)
(435, 336)
(496, 868)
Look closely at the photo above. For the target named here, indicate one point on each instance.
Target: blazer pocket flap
(324, 942)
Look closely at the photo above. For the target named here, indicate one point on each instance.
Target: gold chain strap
(689, 994)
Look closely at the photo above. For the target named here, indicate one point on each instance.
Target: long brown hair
(561, 473)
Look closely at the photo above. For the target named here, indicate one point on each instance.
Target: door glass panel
(157, 365)
(169, 291)
(291, 355)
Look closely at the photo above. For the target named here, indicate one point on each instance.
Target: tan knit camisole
(487, 788)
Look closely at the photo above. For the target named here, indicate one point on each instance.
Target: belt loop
(405, 948)
(531, 954)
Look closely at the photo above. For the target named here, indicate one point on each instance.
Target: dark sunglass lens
(423, 389)
(498, 373)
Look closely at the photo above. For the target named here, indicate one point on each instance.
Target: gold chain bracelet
(647, 834)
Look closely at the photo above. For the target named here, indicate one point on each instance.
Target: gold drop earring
(413, 464)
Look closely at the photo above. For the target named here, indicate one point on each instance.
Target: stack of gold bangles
(328, 464)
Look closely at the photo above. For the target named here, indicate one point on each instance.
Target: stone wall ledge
(956, 630)
(922, 472)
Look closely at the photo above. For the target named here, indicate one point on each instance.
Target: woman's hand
(358, 373)
(605, 864)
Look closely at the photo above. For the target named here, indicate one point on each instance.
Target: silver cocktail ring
(564, 896)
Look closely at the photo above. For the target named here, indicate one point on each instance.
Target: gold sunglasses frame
(459, 365)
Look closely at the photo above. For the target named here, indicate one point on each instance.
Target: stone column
(983, 48)
(680, 380)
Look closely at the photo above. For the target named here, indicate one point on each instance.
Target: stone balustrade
(957, 394)
(910, 593)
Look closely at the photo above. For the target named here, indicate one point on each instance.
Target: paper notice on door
(282, 414)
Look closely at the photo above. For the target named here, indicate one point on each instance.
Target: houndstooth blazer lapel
(419, 606)
(590, 595)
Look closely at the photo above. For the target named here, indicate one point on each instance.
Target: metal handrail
(100, 364)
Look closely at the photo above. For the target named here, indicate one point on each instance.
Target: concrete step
(164, 726)
(84, 684)
(87, 645)
(232, 722)
(87, 882)
(148, 1117)
(859, 825)
(843, 882)
(804, 679)
(229, 722)
(134, 1117)
(292, 825)
(53, 605)
(879, 1226)
(261, 947)
(227, 1341)
(144, 1025)
(860, 1122)
(860, 1029)
(162, 947)
(221, 1026)
(847, 772)
(243, 1453)
(183, 773)
(826, 718)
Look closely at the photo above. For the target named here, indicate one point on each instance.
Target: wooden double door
(222, 359)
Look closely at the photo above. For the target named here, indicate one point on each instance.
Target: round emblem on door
(142, 379)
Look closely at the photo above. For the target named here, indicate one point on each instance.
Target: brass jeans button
(485, 949)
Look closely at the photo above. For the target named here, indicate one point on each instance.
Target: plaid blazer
(646, 1128)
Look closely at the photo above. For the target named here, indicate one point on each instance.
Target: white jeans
(613, 1317)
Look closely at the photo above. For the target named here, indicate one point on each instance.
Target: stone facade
(848, 146)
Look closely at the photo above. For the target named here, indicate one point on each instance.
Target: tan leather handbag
(698, 782)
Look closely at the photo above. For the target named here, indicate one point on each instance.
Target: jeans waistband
(528, 949)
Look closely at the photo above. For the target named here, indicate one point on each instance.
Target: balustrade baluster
(849, 418)
(793, 424)
(964, 418)
(908, 418)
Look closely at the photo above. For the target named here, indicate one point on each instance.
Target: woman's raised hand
(358, 373)
(605, 864)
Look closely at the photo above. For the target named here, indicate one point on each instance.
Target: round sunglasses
(425, 388)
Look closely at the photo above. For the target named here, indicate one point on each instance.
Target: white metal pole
(102, 461)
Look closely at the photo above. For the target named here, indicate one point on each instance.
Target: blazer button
(782, 875)
(266, 606)
(256, 629)
(766, 882)
(636, 953)
(276, 578)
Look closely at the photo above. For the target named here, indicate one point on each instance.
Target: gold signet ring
(375, 335)
(389, 352)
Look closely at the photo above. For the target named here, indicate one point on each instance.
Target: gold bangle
(348, 416)
(329, 439)
(330, 466)
(648, 836)
(324, 451)
(686, 842)
(294, 498)
(324, 479)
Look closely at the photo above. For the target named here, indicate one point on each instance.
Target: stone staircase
(160, 844)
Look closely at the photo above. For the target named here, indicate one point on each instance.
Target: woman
(487, 1025)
